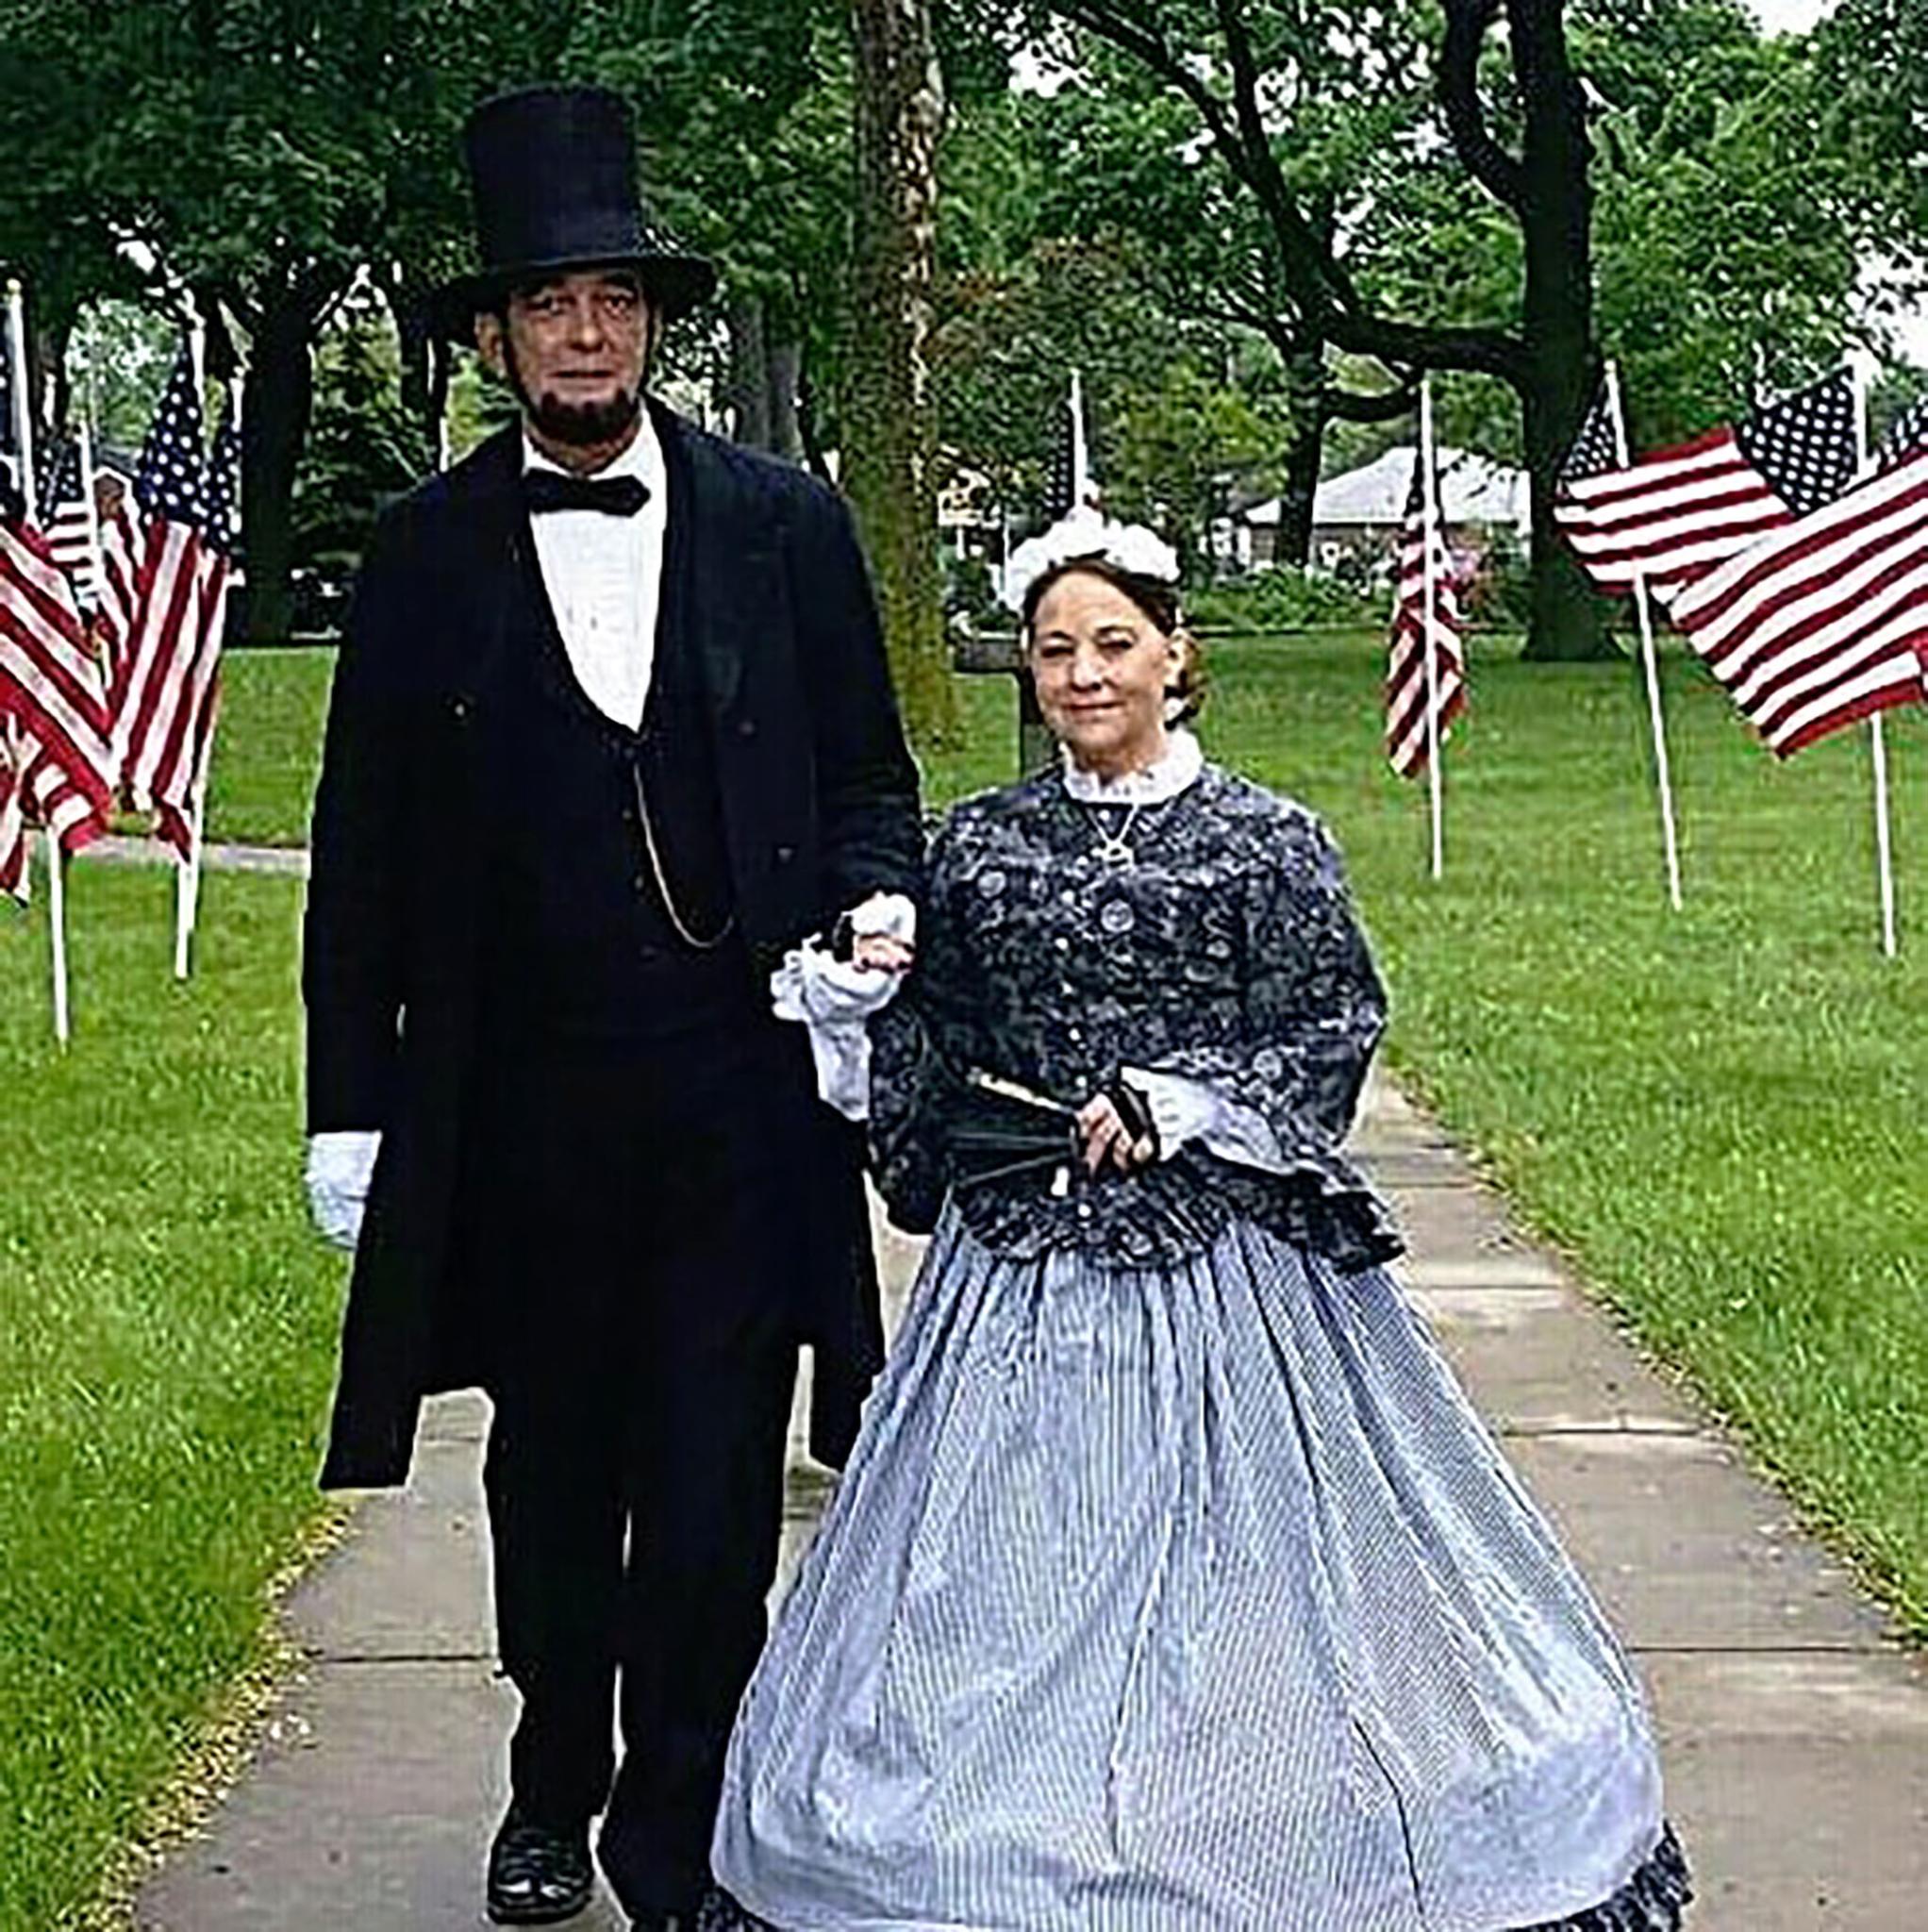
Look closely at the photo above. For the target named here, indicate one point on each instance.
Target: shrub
(1286, 599)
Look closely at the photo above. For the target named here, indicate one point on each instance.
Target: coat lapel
(500, 563)
(730, 559)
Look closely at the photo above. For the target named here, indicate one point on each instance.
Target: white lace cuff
(1185, 1110)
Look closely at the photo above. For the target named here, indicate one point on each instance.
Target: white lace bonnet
(1087, 535)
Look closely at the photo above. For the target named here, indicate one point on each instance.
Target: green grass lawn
(268, 744)
(1717, 1113)
(167, 1327)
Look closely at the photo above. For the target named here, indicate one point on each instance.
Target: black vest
(590, 821)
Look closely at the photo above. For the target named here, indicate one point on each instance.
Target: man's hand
(1108, 1140)
(339, 1168)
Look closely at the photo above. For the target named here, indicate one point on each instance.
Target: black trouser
(642, 1204)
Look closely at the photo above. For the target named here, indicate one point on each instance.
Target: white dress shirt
(604, 576)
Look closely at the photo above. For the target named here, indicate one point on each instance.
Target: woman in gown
(1174, 1585)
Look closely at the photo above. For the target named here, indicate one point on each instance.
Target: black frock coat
(820, 808)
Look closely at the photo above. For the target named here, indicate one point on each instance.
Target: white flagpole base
(1650, 660)
(57, 915)
(1430, 524)
(188, 887)
(1883, 851)
(184, 917)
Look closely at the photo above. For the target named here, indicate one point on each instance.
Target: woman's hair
(1159, 603)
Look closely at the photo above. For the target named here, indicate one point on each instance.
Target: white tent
(1472, 490)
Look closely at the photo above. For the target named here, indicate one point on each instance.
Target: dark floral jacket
(1226, 952)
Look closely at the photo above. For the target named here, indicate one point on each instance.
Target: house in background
(1355, 517)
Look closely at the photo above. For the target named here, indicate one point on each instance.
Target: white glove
(339, 1168)
(834, 997)
(890, 913)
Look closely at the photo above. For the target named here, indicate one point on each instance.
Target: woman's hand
(1108, 1140)
(877, 952)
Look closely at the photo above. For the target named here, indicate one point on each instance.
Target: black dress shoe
(538, 1875)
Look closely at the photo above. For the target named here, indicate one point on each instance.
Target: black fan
(995, 1127)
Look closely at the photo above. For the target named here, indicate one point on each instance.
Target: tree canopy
(1250, 223)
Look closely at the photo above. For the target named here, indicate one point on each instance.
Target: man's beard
(577, 425)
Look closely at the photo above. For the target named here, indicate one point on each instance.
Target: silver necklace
(1112, 847)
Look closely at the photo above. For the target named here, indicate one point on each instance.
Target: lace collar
(1165, 777)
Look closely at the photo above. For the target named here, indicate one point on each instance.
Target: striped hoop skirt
(1185, 1601)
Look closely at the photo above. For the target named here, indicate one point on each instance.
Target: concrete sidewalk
(290, 861)
(1795, 1731)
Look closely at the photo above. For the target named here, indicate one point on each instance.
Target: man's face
(574, 349)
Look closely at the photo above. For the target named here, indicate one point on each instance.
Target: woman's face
(1102, 668)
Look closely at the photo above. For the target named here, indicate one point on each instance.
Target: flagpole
(1428, 516)
(187, 873)
(188, 886)
(96, 549)
(57, 923)
(1081, 456)
(1650, 662)
(1877, 743)
(23, 395)
(1877, 737)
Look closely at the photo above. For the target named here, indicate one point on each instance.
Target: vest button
(784, 853)
(746, 728)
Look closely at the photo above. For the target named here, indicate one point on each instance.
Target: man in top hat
(611, 727)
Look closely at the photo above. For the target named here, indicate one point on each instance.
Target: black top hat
(553, 174)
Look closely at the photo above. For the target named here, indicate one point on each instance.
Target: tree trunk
(809, 436)
(424, 376)
(889, 417)
(1559, 366)
(1311, 410)
(1566, 621)
(749, 382)
(279, 397)
(785, 383)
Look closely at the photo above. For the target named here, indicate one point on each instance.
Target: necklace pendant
(1112, 851)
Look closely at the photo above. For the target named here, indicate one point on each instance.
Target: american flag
(123, 544)
(163, 675)
(13, 829)
(1906, 434)
(1825, 620)
(69, 516)
(220, 544)
(1406, 683)
(55, 741)
(9, 441)
(1676, 513)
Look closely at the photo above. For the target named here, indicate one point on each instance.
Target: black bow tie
(615, 497)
